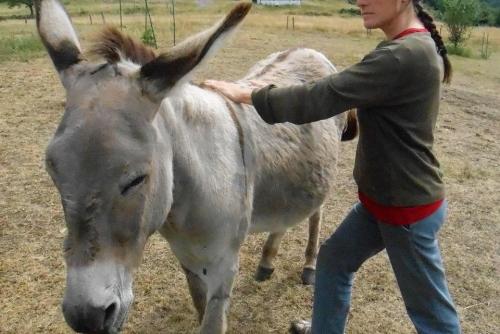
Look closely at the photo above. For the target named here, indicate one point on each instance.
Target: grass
(459, 50)
(21, 47)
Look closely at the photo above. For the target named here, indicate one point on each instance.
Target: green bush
(350, 11)
(28, 3)
(459, 51)
(148, 37)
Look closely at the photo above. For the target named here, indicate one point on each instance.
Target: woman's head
(394, 16)
(385, 14)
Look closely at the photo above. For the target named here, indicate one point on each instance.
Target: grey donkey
(140, 150)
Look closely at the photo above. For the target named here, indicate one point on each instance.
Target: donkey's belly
(295, 170)
(279, 203)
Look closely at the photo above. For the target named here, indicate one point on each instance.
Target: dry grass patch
(32, 272)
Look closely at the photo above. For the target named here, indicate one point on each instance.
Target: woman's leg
(415, 258)
(354, 241)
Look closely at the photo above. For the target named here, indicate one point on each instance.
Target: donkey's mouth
(112, 326)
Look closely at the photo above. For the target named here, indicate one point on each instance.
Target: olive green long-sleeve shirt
(396, 89)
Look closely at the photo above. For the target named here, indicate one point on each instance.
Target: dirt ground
(32, 271)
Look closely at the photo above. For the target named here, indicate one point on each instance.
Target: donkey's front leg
(219, 282)
(198, 291)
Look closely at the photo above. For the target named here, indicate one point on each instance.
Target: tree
(459, 16)
(485, 15)
(436, 4)
(27, 3)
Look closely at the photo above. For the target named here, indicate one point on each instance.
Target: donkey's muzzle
(91, 319)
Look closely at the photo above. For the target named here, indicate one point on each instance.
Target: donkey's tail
(351, 127)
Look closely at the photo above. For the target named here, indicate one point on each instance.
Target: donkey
(139, 149)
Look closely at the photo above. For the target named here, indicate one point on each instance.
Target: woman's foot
(300, 327)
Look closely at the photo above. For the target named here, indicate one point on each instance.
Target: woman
(396, 89)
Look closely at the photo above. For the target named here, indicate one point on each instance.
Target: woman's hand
(235, 92)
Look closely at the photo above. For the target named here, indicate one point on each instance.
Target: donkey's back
(295, 165)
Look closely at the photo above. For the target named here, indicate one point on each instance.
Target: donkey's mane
(115, 46)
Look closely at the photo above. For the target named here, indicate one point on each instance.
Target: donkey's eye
(135, 182)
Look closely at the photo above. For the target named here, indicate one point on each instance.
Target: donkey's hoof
(308, 276)
(263, 273)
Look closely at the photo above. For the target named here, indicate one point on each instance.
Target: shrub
(350, 11)
(485, 15)
(27, 3)
(459, 16)
(148, 37)
(459, 51)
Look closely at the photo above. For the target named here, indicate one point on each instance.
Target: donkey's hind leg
(266, 267)
(309, 271)
(198, 291)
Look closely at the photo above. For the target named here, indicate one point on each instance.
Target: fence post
(293, 22)
(173, 16)
(103, 19)
(90, 18)
(482, 43)
(121, 20)
(150, 23)
(287, 22)
(487, 45)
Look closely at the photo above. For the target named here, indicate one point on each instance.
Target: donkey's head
(109, 160)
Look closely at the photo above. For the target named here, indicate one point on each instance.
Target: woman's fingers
(235, 92)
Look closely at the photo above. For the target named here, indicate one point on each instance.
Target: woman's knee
(334, 257)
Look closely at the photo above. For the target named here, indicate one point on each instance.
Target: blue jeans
(415, 258)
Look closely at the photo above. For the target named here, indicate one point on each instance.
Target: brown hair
(428, 23)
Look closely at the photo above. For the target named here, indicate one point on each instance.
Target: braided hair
(428, 23)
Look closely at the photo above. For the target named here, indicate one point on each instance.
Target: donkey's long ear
(57, 34)
(169, 68)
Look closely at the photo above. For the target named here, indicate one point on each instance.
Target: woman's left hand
(235, 92)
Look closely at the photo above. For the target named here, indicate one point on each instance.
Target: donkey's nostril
(90, 319)
(110, 314)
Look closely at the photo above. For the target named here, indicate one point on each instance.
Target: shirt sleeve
(367, 83)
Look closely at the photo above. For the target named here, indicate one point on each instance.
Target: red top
(397, 215)
(410, 31)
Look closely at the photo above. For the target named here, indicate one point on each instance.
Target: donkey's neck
(204, 139)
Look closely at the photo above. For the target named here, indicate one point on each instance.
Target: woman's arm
(369, 82)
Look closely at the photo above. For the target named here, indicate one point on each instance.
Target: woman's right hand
(235, 92)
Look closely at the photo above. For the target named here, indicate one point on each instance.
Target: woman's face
(381, 13)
